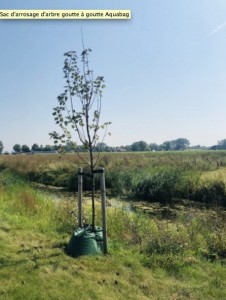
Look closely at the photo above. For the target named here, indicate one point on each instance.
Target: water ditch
(62, 194)
(178, 208)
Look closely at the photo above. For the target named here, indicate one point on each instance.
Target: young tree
(79, 110)
(1, 147)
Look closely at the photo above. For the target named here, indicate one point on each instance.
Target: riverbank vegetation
(149, 258)
(163, 176)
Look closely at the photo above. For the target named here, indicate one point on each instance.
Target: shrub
(211, 193)
(119, 180)
(159, 186)
(10, 179)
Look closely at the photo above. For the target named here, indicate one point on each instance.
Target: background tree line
(173, 145)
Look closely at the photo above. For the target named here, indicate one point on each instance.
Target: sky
(165, 70)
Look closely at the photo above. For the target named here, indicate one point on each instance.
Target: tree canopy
(25, 148)
(222, 144)
(17, 148)
(140, 146)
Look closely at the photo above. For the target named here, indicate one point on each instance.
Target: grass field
(150, 256)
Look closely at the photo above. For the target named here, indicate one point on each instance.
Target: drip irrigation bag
(85, 241)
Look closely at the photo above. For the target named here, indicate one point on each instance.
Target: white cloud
(217, 29)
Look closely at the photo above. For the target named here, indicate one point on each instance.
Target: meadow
(151, 256)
